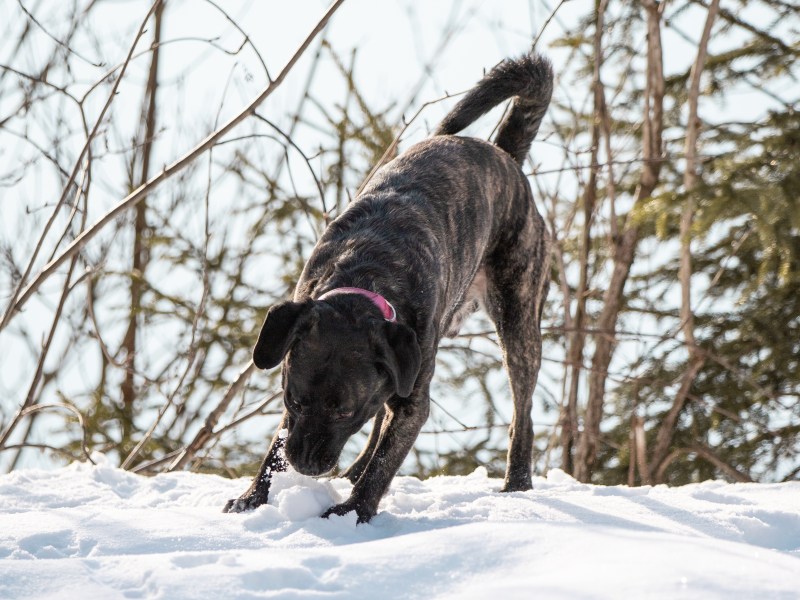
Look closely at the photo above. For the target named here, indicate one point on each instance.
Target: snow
(99, 532)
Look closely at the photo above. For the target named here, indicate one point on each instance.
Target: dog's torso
(420, 232)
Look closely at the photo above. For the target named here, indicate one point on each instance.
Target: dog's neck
(386, 308)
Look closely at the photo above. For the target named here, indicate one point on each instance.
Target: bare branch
(207, 430)
(16, 303)
(290, 141)
(54, 38)
(136, 196)
(40, 407)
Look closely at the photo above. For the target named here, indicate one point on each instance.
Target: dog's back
(529, 80)
(436, 212)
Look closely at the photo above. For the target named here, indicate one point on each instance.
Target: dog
(448, 225)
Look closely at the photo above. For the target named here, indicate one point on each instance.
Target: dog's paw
(517, 486)
(364, 513)
(243, 504)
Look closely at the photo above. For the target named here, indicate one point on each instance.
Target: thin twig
(207, 430)
(40, 407)
(54, 38)
(30, 398)
(291, 142)
(546, 23)
(247, 39)
(393, 146)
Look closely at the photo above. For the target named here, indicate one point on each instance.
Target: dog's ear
(279, 332)
(400, 355)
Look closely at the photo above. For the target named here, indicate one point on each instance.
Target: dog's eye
(345, 414)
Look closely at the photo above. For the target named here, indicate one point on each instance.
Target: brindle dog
(449, 225)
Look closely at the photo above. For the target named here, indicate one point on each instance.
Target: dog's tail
(530, 80)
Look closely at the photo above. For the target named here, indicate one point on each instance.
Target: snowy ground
(98, 532)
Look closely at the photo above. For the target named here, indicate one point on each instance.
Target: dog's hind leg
(354, 471)
(517, 277)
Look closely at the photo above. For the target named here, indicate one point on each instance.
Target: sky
(400, 63)
(402, 48)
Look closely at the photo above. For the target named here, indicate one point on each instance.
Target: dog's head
(339, 369)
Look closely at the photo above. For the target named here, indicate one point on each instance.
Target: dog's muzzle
(312, 454)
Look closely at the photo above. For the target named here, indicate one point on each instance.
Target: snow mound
(99, 532)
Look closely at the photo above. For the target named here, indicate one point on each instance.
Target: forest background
(166, 168)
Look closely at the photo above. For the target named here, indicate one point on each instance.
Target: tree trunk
(577, 337)
(696, 359)
(140, 246)
(624, 246)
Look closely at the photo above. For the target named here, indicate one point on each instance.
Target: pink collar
(389, 313)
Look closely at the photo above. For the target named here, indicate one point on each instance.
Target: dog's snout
(309, 454)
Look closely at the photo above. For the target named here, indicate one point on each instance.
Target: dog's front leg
(401, 426)
(275, 461)
(354, 471)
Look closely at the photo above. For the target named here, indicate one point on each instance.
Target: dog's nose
(310, 469)
(310, 456)
(314, 466)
